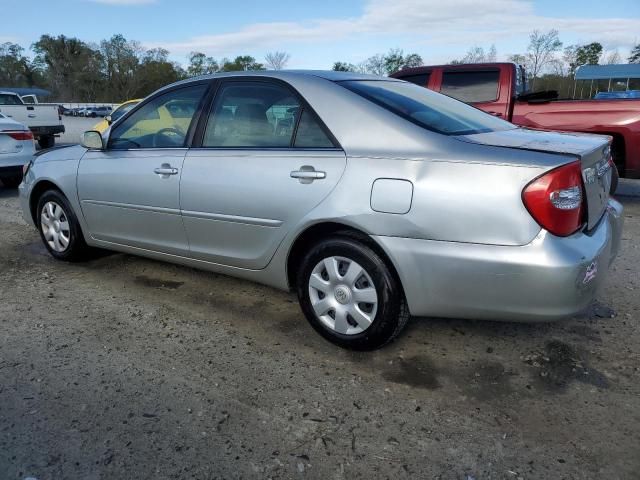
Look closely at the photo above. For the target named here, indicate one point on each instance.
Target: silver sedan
(372, 198)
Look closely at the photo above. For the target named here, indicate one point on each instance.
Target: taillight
(556, 199)
(19, 134)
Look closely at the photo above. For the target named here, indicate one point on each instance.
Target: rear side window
(426, 108)
(261, 115)
(421, 79)
(472, 86)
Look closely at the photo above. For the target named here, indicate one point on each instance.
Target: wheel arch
(36, 192)
(319, 231)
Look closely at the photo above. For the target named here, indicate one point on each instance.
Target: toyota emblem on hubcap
(342, 295)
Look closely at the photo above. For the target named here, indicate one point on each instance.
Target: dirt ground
(126, 368)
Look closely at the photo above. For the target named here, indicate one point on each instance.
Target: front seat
(252, 126)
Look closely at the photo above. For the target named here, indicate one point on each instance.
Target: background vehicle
(16, 150)
(382, 198)
(500, 89)
(94, 112)
(117, 112)
(43, 120)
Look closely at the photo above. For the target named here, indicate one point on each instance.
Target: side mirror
(92, 140)
(108, 119)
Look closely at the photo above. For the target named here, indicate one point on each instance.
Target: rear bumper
(52, 130)
(548, 279)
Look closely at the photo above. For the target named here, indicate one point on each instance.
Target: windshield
(120, 111)
(426, 108)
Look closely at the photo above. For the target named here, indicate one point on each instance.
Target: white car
(16, 150)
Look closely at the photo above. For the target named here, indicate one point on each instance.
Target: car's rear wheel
(59, 227)
(349, 295)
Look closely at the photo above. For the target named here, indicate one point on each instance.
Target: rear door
(479, 87)
(265, 160)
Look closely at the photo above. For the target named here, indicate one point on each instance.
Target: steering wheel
(169, 134)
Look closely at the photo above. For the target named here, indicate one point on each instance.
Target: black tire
(392, 313)
(12, 181)
(615, 176)
(46, 141)
(77, 249)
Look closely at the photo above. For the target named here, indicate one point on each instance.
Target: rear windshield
(6, 99)
(426, 108)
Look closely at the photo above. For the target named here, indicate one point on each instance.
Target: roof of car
(326, 74)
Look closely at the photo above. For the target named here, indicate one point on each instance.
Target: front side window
(471, 87)
(122, 110)
(161, 123)
(426, 108)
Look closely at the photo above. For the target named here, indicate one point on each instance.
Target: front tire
(349, 295)
(59, 228)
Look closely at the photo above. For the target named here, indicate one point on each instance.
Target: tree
(635, 55)
(16, 70)
(395, 60)
(589, 54)
(541, 51)
(67, 63)
(121, 62)
(611, 58)
(277, 60)
(156, 70)
(200, 64)
(477, 55)
(241, 63)
(343, 67)
(376, 65)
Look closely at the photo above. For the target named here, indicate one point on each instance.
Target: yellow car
(118, 111)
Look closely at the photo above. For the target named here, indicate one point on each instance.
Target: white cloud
(452, 23)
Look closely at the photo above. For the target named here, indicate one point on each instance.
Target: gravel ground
(123, 367)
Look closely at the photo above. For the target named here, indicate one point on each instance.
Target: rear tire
(59, 228)
(46, 141)
(349, 295)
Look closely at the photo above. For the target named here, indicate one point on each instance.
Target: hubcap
(343, 296)
(55, 226)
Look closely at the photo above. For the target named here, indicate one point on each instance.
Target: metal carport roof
(605, 72)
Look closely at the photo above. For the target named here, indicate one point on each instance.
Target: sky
(318, 33)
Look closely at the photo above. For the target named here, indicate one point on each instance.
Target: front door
(130, 192)
(265, 161)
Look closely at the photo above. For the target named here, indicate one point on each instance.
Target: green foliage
(16, 69)
(382, 64)
(343, 67)
(241, 63)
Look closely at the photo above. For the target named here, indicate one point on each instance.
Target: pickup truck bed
(497, 87)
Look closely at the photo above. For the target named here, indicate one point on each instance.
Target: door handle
(32, 115)
(495, 114)
(165, 170)
(307, 174)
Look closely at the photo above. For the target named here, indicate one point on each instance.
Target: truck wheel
(46, 141)
(11, 182)
(349, 295)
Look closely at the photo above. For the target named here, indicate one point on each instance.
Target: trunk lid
(592, 150)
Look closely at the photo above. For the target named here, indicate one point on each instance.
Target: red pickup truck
(500, 89)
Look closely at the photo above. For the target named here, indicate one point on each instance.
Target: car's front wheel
(59, 227)
(349, 294)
